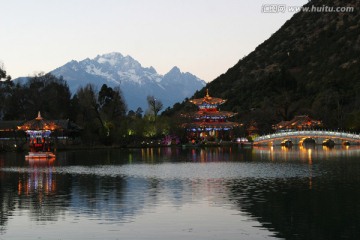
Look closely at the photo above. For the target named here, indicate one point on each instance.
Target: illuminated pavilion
(209, 122)
(301, 122)
(39, 131)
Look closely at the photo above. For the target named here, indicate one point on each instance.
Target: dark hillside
(311, 65)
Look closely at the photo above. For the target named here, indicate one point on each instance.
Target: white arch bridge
(298, 137)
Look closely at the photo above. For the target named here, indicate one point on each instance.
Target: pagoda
(209, 123)
(39, 131)
(301, 122)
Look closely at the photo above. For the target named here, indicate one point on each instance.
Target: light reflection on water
(214, 193)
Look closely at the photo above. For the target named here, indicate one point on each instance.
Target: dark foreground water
(174, 193)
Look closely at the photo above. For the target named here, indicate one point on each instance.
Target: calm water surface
(175, 193)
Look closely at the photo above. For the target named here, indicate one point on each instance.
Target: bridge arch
(328, 142)
(307, 140)
(287, 142)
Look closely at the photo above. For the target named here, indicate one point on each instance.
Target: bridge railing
(310, 133)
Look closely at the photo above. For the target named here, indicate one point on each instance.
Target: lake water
(175, 193)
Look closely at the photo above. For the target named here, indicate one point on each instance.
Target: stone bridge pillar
(295, 141)
(319, 140)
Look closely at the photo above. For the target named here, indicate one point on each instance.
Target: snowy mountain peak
(136, 81)
(176, 73)
(131, 63)
(110, 58)
(152, 69)
(175, 69)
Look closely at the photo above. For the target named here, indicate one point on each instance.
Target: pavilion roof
(211, 125)
(302, 121)
(39, 124)
(207, 99)
(209, 114)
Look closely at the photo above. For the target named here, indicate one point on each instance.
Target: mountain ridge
(309, 66)
(135, 81)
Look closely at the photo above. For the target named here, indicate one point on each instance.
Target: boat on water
(40, 155)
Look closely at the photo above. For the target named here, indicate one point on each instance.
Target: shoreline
(61, 148)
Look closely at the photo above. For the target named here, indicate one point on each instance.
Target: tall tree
(151, 121)
(5, 85)
(15, 103)
(88, 115)
(111, 106)
(3, 75)
(155, 105)
(139, 112)
(101, 112)
(111, 103)
(89, 107)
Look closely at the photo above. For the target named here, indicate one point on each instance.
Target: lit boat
(40, 155)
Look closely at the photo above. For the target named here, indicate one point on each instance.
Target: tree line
(101, 113)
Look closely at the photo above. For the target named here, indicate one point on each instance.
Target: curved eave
(207, 115)
(207, 100)
(38, 124)
(202, 125)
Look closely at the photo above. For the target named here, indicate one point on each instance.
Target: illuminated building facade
(39, 131)
(209, 123)
(301, 122)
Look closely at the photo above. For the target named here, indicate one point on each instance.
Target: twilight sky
(204, 37)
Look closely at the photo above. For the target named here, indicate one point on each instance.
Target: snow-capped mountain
(135, 81)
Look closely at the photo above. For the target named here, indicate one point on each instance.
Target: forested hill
(311, 65)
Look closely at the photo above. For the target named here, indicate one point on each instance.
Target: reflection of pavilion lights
(202, 155)
(38, 181)
(19, 187)
(147, 154)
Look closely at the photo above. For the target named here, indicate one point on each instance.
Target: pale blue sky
(204, 37)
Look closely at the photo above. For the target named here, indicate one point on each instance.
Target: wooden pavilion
(39, 131)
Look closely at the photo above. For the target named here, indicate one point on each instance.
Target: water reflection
(39, 179)
(294, 211)
(292, 193)
(304, 153)
(212, 154)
